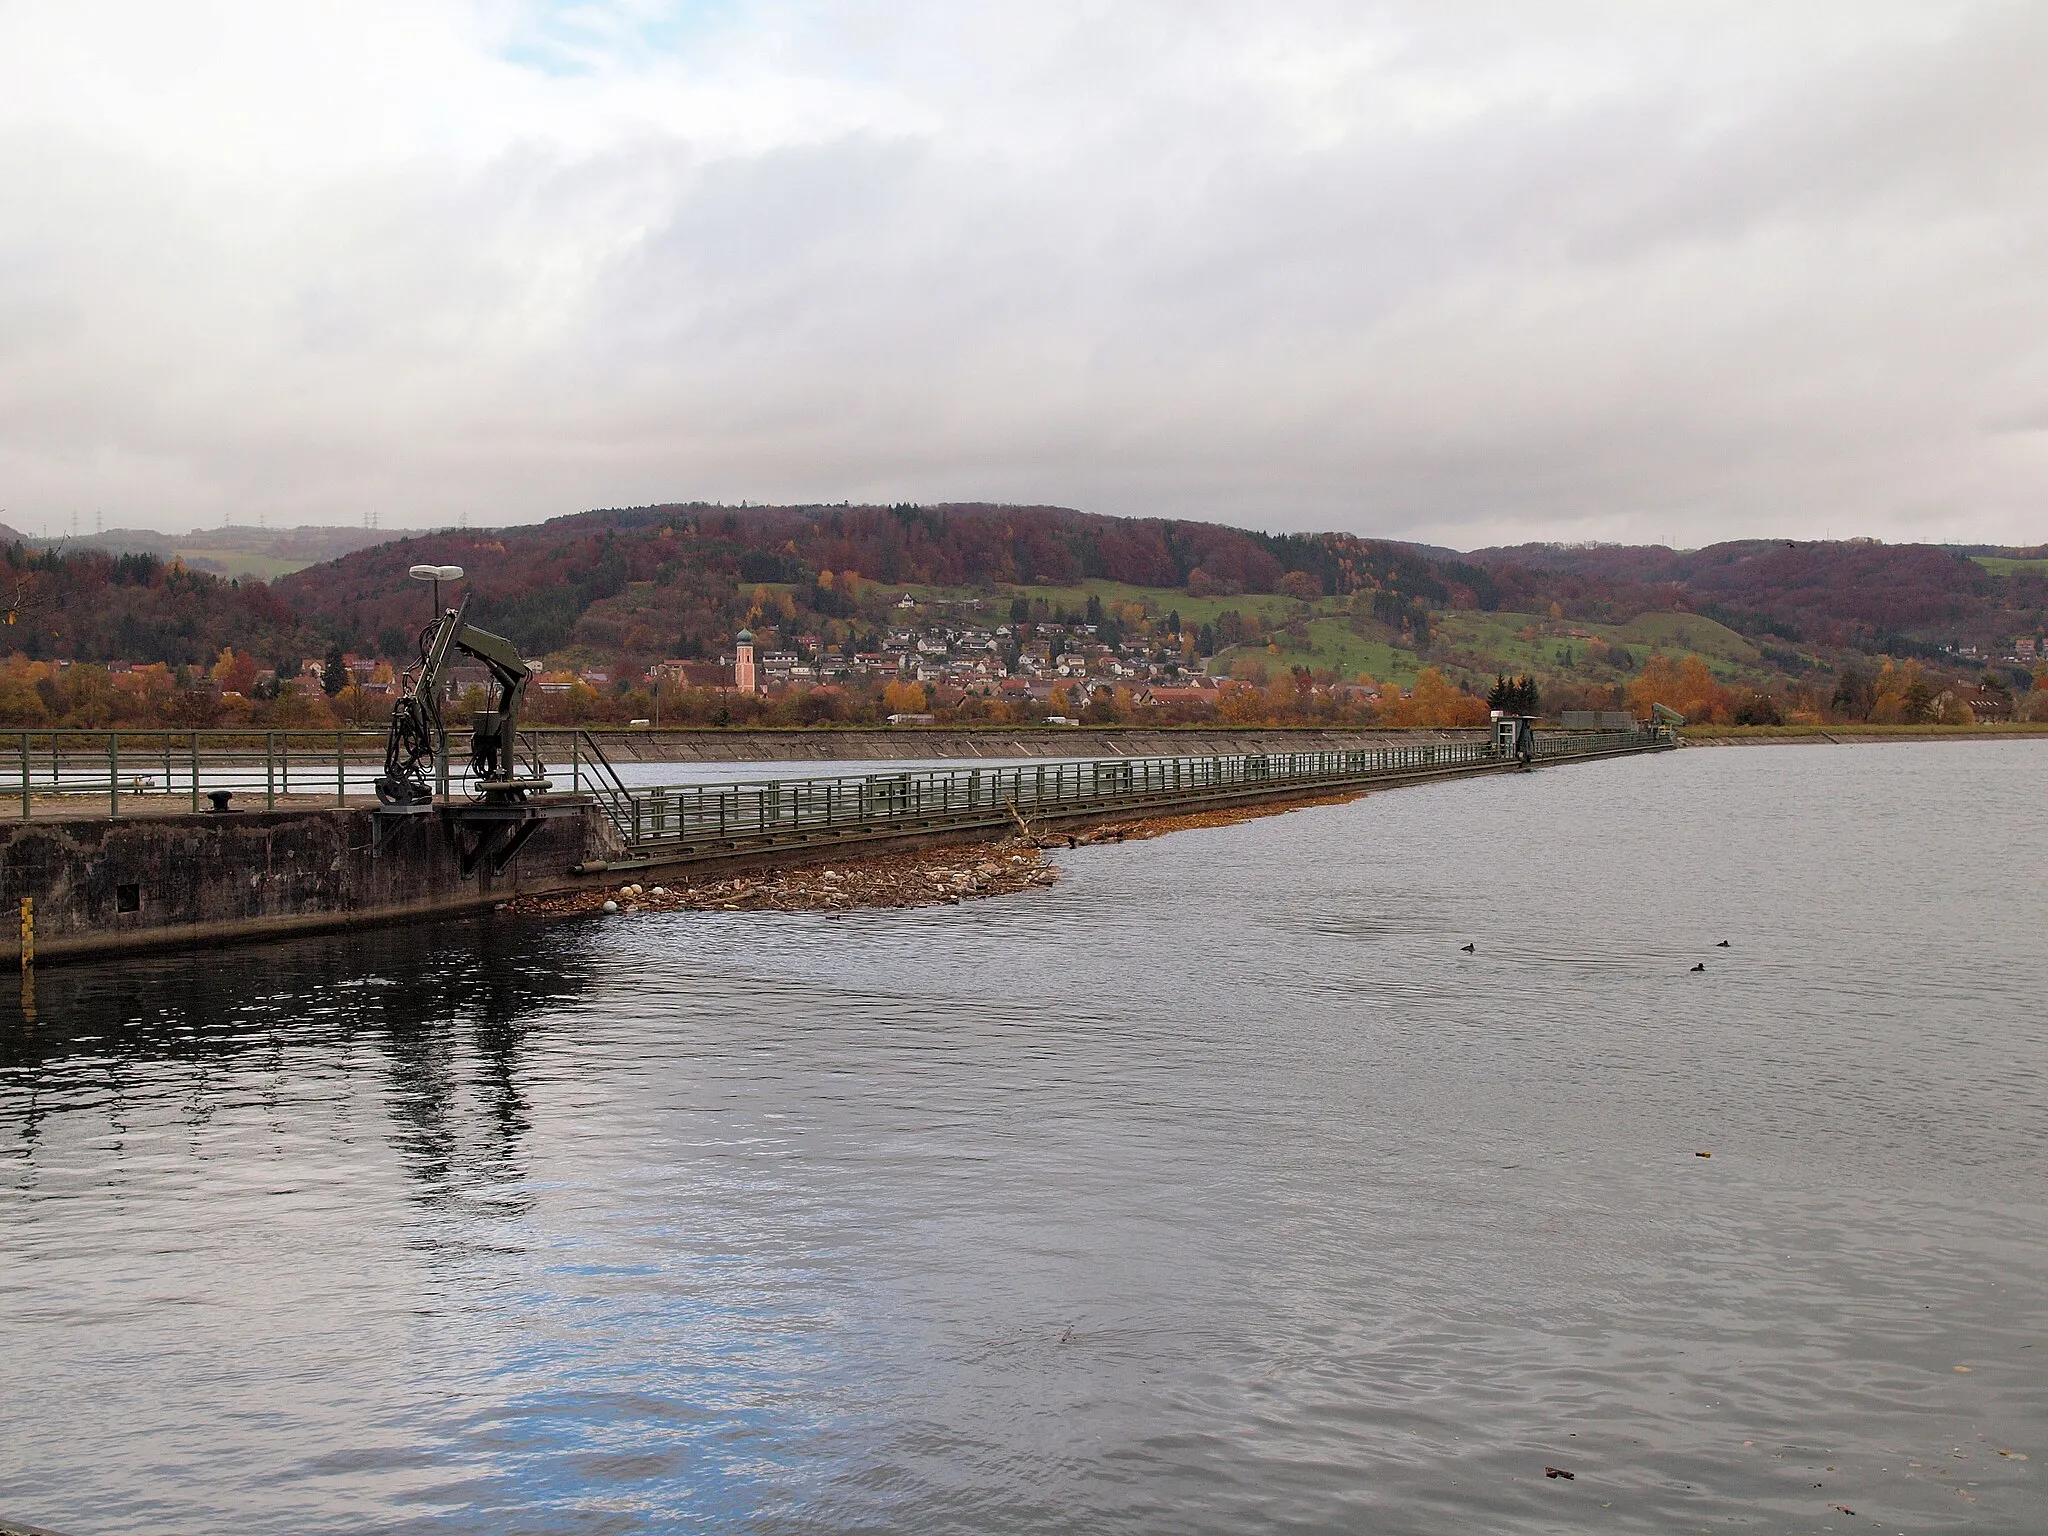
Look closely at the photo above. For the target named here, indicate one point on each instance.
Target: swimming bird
(1469, 948)
(1701, 966)
(1722, 945)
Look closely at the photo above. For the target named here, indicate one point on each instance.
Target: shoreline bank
(1852, 735)
(938, 875)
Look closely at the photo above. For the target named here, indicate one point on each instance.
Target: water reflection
(444, 1008)
(1217, 1187)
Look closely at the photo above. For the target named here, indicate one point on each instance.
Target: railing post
(270, 770)
(113, 773)
(195, 770)
(576, 761)
(24, 775)
(340, 769)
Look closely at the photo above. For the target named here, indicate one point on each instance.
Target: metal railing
(135, 769)
(155, 769)
(1590, 743)
(590, 772)
(128, 770)
(651, 820)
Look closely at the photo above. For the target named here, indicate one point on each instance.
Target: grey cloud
(1789, 287)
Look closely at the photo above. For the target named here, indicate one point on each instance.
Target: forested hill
(700, 564)
(629, 586)
(564, 582)
(1854, 593)
(88, 605)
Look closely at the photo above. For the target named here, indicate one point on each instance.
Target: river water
(1213, 1189)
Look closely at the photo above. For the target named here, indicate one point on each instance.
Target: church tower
(743, 662)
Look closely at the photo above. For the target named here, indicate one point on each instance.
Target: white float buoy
(610, 905)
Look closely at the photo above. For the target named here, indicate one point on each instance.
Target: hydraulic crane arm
(414, 740)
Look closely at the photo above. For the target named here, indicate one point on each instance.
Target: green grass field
(1160, 601)
(1333, 648)
(2003, 565)
(1477, 645)
(234, 562)
(1522, 642)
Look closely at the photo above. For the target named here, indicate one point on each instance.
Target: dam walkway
(683, 823)
(108, 851)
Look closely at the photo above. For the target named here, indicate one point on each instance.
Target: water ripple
(1213, 1189)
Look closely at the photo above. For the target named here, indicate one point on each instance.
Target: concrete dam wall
(840, 744)
(101, 885)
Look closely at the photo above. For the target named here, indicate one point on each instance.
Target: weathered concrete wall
(749, 746)
(101, 884)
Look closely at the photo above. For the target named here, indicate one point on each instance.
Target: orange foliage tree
(235, 674)
(1686, 686)
(1434, 702)
(1902, 694)
(904, 697)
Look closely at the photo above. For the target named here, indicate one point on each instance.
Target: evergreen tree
(1513, 695)
(334, 675)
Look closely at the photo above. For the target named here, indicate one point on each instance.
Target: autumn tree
(1758, 708)
(356, 707)
(1902, 694)
(1854, 695)
(1950, 708)
(20, 704)
(1434, 701)
(903, 697)
(236, 673)
(1686, 686)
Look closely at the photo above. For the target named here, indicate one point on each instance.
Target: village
(936, 655)
(935, 660)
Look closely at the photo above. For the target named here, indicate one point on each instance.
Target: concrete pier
(967, 744)
(101, 885)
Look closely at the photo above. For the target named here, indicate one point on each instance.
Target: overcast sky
(1469, 273)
